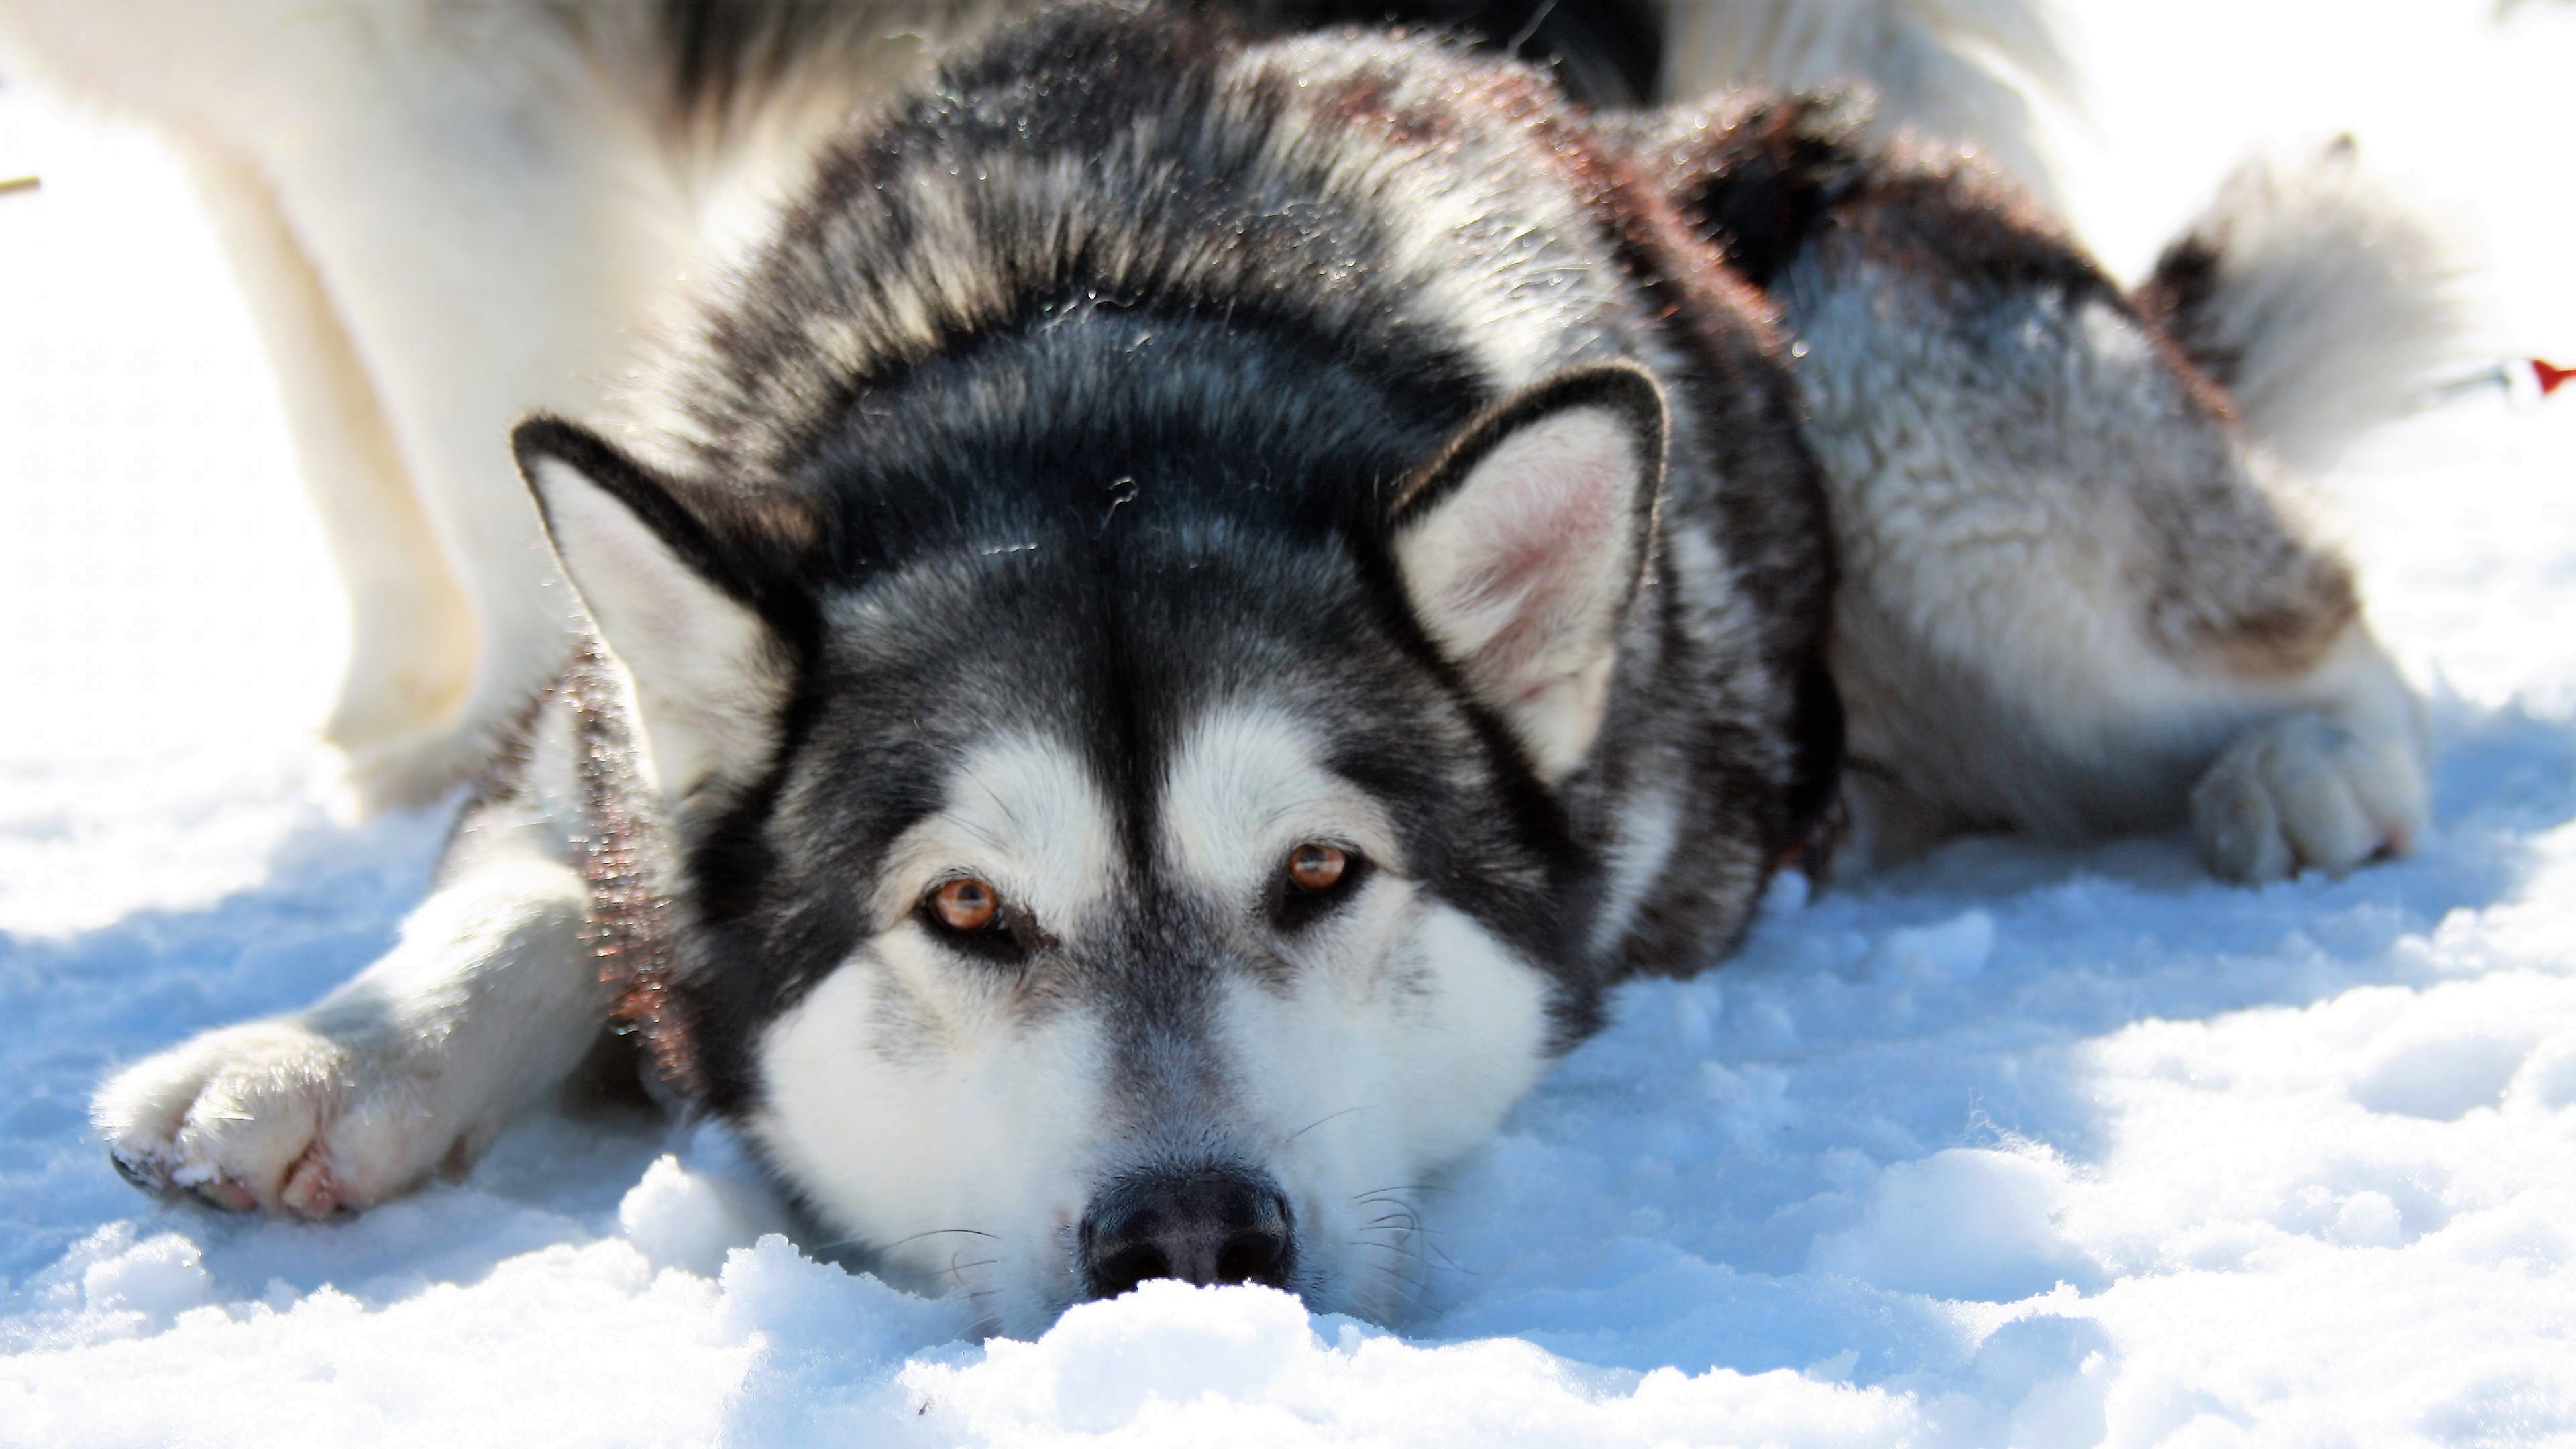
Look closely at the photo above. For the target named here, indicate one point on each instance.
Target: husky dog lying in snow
(1202, 599)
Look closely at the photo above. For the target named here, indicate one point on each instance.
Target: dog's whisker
(1416, 1284)
(873, 1246)
(934, 1232)
(1452, 1264)
(1328, 1117)
(1414, 1187)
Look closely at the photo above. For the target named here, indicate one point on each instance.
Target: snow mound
(1969, 1223)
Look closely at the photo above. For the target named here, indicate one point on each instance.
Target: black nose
(1204, 1226)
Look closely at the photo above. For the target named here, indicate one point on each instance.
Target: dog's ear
(1522, 544)
(687, 588)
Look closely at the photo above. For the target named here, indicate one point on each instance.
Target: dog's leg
(492, 996)
(239, 90)
(2071, 603)
(411, 631)
(2075, 595)
(490, 223)
(2338, 779)
(448, 215)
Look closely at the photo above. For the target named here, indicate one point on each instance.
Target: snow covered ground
(2016, 1145)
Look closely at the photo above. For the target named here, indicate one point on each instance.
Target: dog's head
(1086, 891)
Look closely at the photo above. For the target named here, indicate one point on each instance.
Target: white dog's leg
(491, 997)
(447, 216)
(494, 225)
(411, 632)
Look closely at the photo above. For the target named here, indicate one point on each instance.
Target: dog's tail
(1961, 71)
(2317, 296)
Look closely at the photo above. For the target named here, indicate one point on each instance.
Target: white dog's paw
(2306, 792)
(274, 1115)
(409, 772)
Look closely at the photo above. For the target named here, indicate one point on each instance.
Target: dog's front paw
(2307, 792)
(273, 1115)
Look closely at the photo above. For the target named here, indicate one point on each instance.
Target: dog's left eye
(969, 915)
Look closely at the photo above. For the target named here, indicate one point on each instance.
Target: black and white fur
(1152, 450)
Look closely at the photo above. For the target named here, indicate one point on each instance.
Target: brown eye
(1317, 867)
(965, 905)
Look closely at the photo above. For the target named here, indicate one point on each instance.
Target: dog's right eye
(1315, 866)
(965, 906)
(968, 914)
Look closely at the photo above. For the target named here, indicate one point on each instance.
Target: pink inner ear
(1536, 574)
(1539, 543)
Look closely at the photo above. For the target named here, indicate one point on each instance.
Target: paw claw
(230, 1197)
(136, 1174)
(309, 1190)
